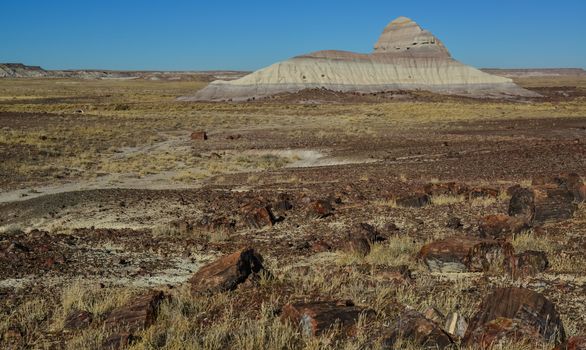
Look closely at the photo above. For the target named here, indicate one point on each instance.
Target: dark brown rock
(320, 209)
(522, 204)
(528, 263)
(414, 327)
(138, 314)
(226, 272)
(257, 217)
(514, 313)
(543, 204)
(357, 244)
(466, 254)
(199, 136)
(415, 200)
(315, 318)
(77, 319)
(501, 225)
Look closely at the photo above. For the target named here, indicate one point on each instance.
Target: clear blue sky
(246, 35)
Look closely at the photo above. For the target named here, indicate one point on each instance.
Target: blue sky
(246, 35)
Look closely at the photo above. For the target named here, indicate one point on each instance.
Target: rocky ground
(311, 221)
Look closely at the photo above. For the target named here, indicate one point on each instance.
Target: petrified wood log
(528, 263)
(464, 253)
(414, 327)
(542, 204)
(138, 314)
(501, 225)
(226, 272)
(257, 217)
(514, 312)
(317, 317)
(320, 209)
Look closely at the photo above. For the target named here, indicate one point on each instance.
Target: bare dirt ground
(104, 196)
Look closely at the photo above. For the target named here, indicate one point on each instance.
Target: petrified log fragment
(320, 209)
(522, 204)
(553, 204)
(500, 225)
(528, 263)
(542, 204)
(514, 312)
(414, 200)
(199, 136)
(138, 314)
(226, 272)
(257, 217)
(465, 254)
(317, 317)
(414, 327)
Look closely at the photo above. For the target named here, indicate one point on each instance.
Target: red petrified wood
(465, 254)
(516, 314)
(226, 272)
(314, 318)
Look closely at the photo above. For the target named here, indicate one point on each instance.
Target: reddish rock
(464, 253)
(315, 318)
(226, 272)
(357, 244)
(415, 200)
(414, 327)
(501, 225)
(320, 246)
(516, 313)
(138, 314)
(573, 343)
(320, 209)
(78, 319)
(258, 216)
(528, 263)
(199, 136)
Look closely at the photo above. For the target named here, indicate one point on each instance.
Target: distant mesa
(405, 57)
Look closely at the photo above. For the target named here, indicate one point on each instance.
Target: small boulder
(320, 209)
(257, 217)
(516, 313)
(315, 318)
(528, 263)
(465, 254)
(138, 314)
(227, 272)
(501, 226)
(199, 136)
(414, 327)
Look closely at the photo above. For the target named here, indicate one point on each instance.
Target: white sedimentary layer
(405, 58)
